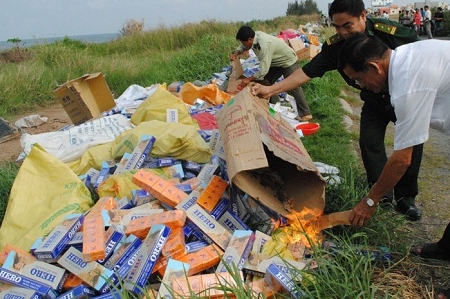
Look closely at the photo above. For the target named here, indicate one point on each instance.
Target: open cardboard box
(253, 138)
(85, 97)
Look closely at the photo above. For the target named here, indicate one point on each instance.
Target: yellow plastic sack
(44, 191)
(209, 93)
(172, 139)
(155, 108)
(118, 185)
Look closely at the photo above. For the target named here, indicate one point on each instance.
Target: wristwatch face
(370, 202)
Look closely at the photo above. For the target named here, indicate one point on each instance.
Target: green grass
(194, 52)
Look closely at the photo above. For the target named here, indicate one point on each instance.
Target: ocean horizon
(89, 38)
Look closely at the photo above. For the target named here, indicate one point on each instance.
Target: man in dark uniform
(349, 17)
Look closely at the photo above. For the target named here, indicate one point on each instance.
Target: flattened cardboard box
(254, 138)
(85, 97)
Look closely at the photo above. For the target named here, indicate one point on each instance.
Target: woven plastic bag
(44, 191)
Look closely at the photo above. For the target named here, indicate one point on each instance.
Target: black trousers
(376, 114)
(444, 242)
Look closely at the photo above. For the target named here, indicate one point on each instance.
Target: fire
(302, 232)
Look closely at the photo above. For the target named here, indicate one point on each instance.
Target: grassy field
(194, 52)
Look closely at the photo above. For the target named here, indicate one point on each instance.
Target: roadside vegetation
(194, 52)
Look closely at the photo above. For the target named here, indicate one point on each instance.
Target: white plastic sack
(70, 144)
(133, 96)
(31, 121)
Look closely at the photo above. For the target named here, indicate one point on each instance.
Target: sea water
(90, 38)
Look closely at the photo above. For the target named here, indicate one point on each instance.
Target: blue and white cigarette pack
(140, 197)
(237, 250)
(122, 163)
(206, 174)
(279, 280)
(114, 235)
(55, 243)
(32, 268)
(140, 152)
(123, 217)
(22, 281)
(232, 222)
(111, 295)
(77, 241)
(174, 269)
(215, 143)
(147, 257)
(209, 226)
(123, 253)
(189, 201)
(13, 292)
(78, 292)
(195, 246)
(92, 273)
(220, 208)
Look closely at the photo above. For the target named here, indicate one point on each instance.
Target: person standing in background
(417, 22)
(276, 59)
(427, 21)
(438, 18)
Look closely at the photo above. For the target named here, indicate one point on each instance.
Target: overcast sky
(27, 19)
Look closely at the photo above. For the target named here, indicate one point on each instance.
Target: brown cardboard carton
(85, 97)
(255, 138)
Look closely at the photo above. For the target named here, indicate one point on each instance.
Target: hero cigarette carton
(77, 241)
(212, 193)
(122, 259)
(195, 246)
(206, 174)
(30, 267)
(92, 273)
(124, 217)
(140, 197)
(188, 201)
(282, 281)
(111, 295)
(13, 292)
(232, 222)
(122, 163)
(148, 254)
(93, 238)
(203, 259)
(140, 152)
(54, 244)
(114, 236)
(209, 225)
(78, 292)
(125, 203)
(220, 208)
(141, 226)
(175, 269)
(8, 248)
(215, 143)
(108, 168)
(237, 250)
(22, 281)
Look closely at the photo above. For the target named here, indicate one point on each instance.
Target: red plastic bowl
(308, 128)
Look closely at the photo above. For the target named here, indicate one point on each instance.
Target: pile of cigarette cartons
(187, 225)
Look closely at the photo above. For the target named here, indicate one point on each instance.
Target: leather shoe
(407, 206)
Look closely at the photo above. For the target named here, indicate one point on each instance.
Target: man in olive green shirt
(276, 58)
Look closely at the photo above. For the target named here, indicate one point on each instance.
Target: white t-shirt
(419, 85)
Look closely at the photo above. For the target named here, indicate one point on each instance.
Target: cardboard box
(308, 53)
(85, 97)
(254, 138)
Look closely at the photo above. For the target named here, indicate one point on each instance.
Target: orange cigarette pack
(94, 238)
(141, 226)
(212, 193)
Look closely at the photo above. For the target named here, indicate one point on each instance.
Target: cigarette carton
(147, 256)
(122, 163)
(140, 197)
(220, 208)
(195, 246)
(13, 292)
(108, 168)
(140, 152)
(121, 260)
(30, 267)
(202, 259)
(281, 281)
(237, 250)
(54, 244)
(93, 238)
(22, 281)
(71, 282)
(175, 269)
(124, 217)
(125, 203)
(111, 295)
(8, 248)
(190, 200)
(92, 273)
(141, 226)
(209, 225)
(78, 292)
(114, 236)
(77, 241)
(212, 193)
(232, 222)
(207, 173)
(171, 115)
